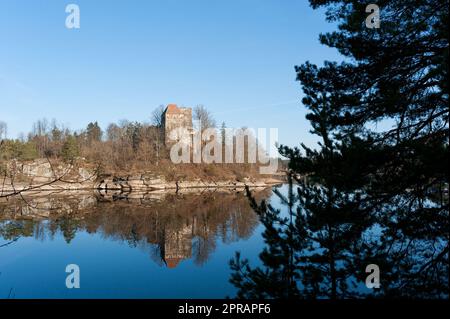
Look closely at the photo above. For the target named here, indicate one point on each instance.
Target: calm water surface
(137, 246)
(167, 245)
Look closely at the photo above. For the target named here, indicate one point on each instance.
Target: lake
(154, 245)
(179, 245)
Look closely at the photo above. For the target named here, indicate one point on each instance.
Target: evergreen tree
(70, 149)
(28, 151)
(364, 178)
(94, 132)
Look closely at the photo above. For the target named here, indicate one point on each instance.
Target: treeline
(118, 143)
(122, 146)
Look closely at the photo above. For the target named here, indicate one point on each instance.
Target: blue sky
(235, 57)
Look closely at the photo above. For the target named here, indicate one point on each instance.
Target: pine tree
(361, 178)
(94, 132)
(70, 149)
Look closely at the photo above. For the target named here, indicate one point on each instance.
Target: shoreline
(43, 176)
(128, 186)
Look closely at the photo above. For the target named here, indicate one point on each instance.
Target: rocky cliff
(43, 175)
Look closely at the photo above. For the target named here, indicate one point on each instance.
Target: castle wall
(175, 118)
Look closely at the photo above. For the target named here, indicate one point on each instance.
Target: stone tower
(174, 118)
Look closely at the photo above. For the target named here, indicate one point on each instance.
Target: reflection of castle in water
(177, 245)
(170, 227)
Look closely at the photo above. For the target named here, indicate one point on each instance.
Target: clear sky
(236, 57)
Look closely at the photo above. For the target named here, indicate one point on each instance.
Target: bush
(70, 149)
(16, 149)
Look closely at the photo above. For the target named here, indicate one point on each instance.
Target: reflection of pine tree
(69, 227)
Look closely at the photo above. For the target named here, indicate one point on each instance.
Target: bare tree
(113, 132)
(204, 116)
(40, 127)
(39, 135)
(157, 116)
(3, 130)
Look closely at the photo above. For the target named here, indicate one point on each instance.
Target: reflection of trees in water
(317, 250)
(202, 248)
(414, 248)
(171, 229)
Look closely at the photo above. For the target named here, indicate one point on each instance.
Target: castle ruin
(174, 120)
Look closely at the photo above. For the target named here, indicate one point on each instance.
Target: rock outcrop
(44, 176)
